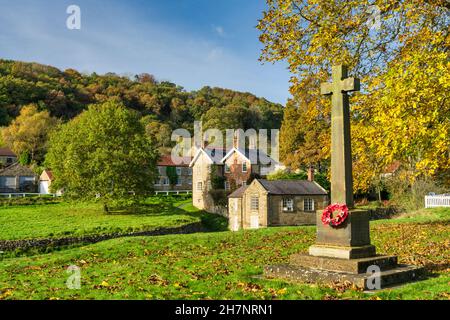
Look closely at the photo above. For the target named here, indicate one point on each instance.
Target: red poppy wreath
(335, 220)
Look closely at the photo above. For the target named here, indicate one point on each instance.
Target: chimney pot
(310, 174)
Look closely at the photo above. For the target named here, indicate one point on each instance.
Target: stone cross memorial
(343, 252)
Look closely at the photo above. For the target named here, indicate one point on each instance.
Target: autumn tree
(28, 133)
(401, 112)
(104, 151)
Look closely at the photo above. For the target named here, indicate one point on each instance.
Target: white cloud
(219, 31)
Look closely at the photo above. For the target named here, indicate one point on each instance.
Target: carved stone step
(344, 265)
(398, 275)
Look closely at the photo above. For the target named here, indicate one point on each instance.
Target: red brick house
(182, 169)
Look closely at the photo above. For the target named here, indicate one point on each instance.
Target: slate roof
(6, 152)
(292, 187)
(17, 170)
(238, 193)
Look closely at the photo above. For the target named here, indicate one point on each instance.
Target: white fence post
(437, 201)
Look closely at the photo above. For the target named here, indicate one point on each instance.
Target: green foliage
(219, 197)
(67, 93)
(29, 132)
(172, 175)
(24, 158)
(28, 201)
(217, 181)
(410, 196)
(103, 151)
(286, 175)
(402, 111)
(320, 178)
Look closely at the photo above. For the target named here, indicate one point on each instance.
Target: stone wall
(255, 190)
(201, 172)
(278, 217)
(235, 213)
(11, 245)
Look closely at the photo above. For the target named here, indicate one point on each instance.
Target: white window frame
(189, 171)
(246, 167)
(307, 204)
(178, 169)
(226, 185)
(288, 204)
(254, 203)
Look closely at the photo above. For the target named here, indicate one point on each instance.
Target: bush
(219, 197)
(28, 201)
(410, 196)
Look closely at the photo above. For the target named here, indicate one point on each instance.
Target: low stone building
(18, 178)
(182, 170)
(266, 203)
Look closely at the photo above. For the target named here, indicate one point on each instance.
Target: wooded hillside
(163, 105)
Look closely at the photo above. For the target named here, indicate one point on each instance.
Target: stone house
(18, 178)
(7, 157)
(266, 203)
(236, 166)
(202, 165)
(182, 169)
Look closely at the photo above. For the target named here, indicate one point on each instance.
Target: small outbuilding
(45, 180)
(266, 203)
(17, 178)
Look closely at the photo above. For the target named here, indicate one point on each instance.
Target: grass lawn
(223, 265)
(67, 219)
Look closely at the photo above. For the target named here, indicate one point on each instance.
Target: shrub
(408, 196)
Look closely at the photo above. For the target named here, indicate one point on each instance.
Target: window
(189, 171)
(254, 203)
(157, 182)
(244, 166)
(179, 181)
(8, 182)
(288, 204)
(308, 205)
(199, 186)
(179, 171)
(244, 183)
(227, 168)
(166, 181)
(227, 185)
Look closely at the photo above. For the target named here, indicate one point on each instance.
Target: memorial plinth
(343, 253)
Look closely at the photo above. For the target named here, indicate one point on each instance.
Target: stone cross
(341, 153)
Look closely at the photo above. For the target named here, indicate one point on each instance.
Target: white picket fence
(437, 201)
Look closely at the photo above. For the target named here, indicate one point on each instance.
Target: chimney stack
(310, 173)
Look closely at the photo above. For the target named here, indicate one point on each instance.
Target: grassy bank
(221, 265)
(78, 219)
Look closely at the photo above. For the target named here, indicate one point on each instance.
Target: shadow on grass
(211, 222)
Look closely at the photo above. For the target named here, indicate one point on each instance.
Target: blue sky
(190, 42)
